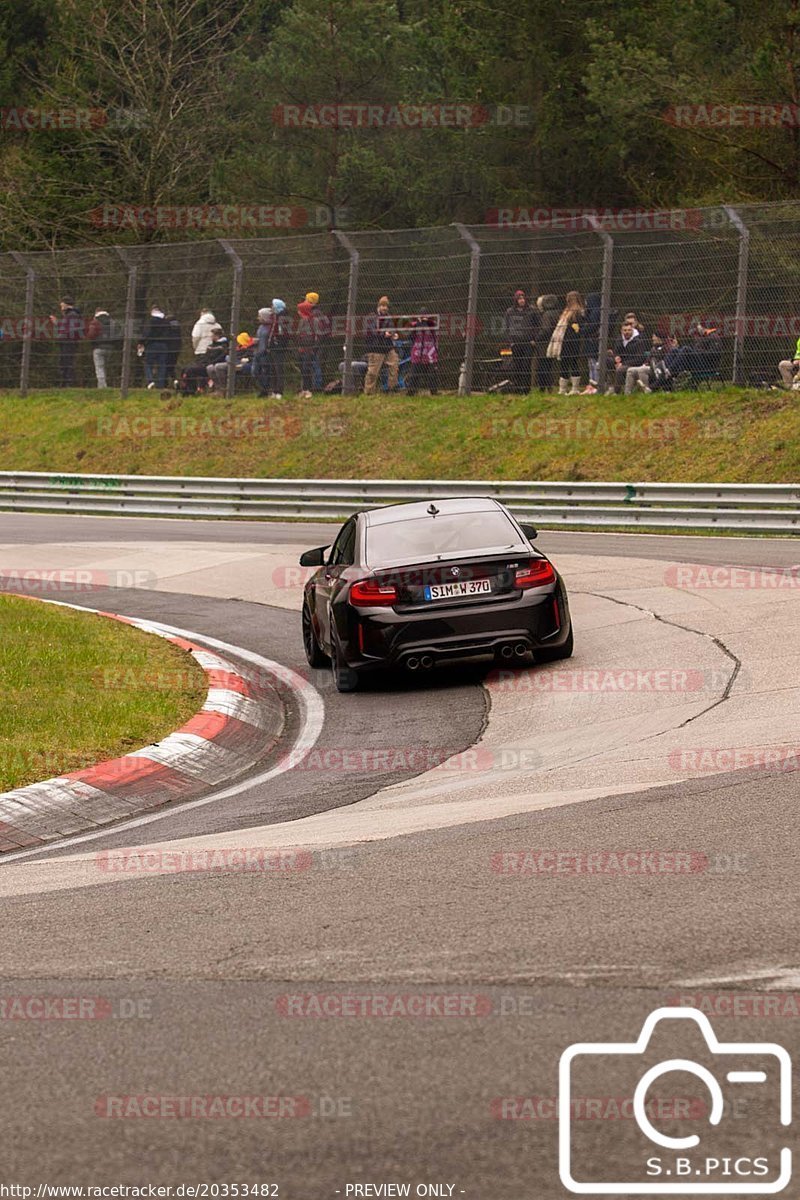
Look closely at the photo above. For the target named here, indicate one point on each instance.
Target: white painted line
(312, 719)
(778, 979)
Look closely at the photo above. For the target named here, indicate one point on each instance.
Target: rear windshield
(445, 536)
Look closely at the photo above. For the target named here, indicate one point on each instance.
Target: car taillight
(537, 574)
(368, 593)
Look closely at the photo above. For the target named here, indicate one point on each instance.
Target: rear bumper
(376, 638)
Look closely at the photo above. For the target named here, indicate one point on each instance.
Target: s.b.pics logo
(730, 1080)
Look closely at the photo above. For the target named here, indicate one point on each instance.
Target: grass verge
(728, 435)
(78, 688)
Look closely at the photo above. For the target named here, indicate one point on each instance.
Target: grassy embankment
(730, 435)
(78, 688)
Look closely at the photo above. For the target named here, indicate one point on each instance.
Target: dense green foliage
(188, 91)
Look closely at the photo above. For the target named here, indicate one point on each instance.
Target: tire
(554, 653)
(345, 678)
(316, 657)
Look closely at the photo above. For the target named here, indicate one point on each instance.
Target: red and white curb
(240, 721)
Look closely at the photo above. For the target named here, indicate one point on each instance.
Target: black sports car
(413, 585)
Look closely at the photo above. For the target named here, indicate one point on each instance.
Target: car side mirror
(314, 558)
(531, 533)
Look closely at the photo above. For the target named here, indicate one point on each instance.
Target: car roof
(414, 510)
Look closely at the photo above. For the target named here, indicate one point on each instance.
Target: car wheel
(316, 657)
(554, 653)
(345, 678)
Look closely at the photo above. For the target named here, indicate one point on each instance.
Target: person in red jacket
(306, 347)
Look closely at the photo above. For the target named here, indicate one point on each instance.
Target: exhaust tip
(412, 662)
(520, 649)
(426, 662)
(506, 651)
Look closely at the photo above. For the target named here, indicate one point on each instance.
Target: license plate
(467, 587)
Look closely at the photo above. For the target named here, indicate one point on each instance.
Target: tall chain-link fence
(732, 270)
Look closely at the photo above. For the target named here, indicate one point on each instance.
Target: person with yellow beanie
(312, 330)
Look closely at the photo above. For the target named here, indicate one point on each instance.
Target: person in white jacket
(201, 333)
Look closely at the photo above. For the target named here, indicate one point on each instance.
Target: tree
(154, 78)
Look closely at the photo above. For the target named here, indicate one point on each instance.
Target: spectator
(630, 350)
(701, 357)
(154, 345)
(307, 347)
(634, 320)
(790, 367)
(277, 341)
(425, 355)
(217, 350)
(243, 358)
(261, 371)
(521, 326)
(565, 344)
(591, 341)
(201, 332)
(547, 307)
(654, 374)
(101, 335)
(174, 336)
(379, 346)
(68, 329)
(195, 378)
(321, 326)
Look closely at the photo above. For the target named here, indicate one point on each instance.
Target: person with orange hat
(312, 328)
(243, 357)
(379, 346)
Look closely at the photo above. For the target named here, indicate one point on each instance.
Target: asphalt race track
(256, 986)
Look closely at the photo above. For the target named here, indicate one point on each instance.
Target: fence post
(127, 329)
(605, 302)
(236, 305)
(27, 341)
(741, 291)
(465, 385)
(348, 385)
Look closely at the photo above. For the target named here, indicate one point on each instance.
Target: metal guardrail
(768, 508)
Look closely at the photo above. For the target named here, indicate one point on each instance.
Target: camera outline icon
(734, 1186)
